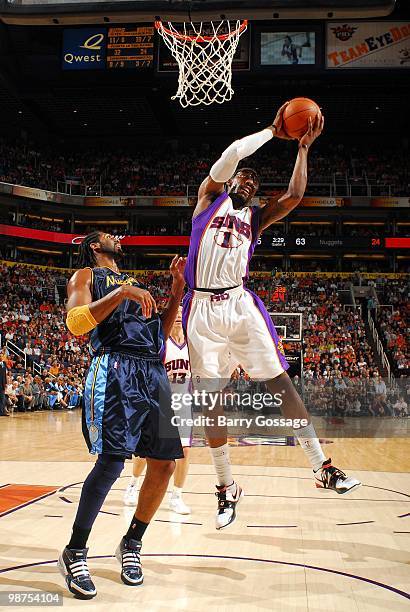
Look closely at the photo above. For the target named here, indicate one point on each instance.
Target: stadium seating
(340, 371)
(151, 173)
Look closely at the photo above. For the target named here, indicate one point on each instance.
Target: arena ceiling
(37, 97)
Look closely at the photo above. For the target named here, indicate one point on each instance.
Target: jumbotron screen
(287, 48)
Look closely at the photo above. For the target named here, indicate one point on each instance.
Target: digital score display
(327, 244)
(130, 47)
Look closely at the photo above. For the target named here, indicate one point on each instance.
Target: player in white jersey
(225, 323)
(176, 361)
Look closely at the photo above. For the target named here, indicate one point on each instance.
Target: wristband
(80, 320)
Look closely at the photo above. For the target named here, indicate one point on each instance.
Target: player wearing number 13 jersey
(225, 322)
(177, 367)
(176, 361)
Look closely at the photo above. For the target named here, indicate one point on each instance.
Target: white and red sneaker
(228, 498)
(330, 477)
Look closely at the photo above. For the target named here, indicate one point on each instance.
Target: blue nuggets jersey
(125, 330)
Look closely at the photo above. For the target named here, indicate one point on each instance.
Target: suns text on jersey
(177, 364)
(232, 222)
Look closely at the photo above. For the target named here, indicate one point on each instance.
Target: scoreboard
(329, 243)
(130, 47)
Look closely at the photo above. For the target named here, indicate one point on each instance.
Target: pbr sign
(84, 49)
(368, 44)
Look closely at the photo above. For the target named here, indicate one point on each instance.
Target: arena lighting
(45, 218)
(312, 223)
(311, 256)
(93, 222)
(361, 256)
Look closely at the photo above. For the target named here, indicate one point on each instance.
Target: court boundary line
(237, 558)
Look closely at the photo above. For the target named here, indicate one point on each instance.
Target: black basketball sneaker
(330, 477)
(128, 554)
(72, 564)
(227, 502)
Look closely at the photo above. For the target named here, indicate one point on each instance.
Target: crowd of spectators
(393, 318)
(32, 319)
(341, 375)
(356, 396)
(335, 341)
(26, 392)
(171, 171)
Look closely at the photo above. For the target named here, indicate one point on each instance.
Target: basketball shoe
(72, 564)
(330, 477)
(128, 554)
(131, 494)
(177, 504)
(227, 502)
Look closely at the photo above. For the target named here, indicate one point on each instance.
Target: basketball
(296, 116)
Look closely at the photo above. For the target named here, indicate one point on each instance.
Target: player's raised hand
(143, 297)
(315, 129)
(277, 124)
(177, 269)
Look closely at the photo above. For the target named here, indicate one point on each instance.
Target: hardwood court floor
(292, 547)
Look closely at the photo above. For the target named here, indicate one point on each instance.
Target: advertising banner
(309, 201)
(170, 201)
(368, 44)
(61, 238)
(84, 49)
(181, 201)
(132, 201)
(34, 234)
(389, 202)
(321, 201)
(41, 194)
(110, 201)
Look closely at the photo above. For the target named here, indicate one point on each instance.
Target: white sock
(177, 492)
(311, 445)
(220, 458)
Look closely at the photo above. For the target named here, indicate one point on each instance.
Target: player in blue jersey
(127, 398)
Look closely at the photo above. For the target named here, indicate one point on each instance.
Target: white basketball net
(204, 53)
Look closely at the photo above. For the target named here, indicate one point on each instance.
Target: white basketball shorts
(229, 329)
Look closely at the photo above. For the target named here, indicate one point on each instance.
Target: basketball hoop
(204, 59)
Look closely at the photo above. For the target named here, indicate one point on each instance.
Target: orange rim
(160, 27)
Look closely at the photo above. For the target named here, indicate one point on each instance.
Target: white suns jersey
(177, 366)
(222, 242)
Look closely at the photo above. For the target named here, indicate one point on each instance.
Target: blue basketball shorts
(127, 408)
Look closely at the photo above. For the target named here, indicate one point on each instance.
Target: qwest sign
(84, 49)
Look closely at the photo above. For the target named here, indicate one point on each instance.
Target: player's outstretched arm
(83, 314)
(224, 168)
(280, 207)
(168, 315)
